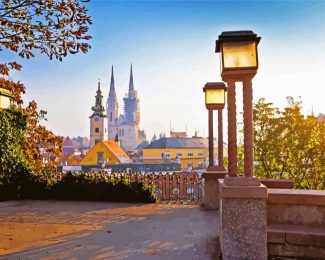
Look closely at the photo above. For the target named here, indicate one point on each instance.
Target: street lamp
(5, 98)
(215, 100)
(239, 62)
(215, 95)
(238, 51)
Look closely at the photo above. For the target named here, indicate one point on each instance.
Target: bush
(74, 186)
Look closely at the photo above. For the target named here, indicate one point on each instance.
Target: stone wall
(296, 223)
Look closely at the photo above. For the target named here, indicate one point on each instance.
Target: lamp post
(241, 196)
(239, 62)
(215, 100)
(5, 98)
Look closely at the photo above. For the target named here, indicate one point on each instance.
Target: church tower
(132, 103)
(98, 120)
(112, 109)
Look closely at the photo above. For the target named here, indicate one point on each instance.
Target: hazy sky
(171, 45)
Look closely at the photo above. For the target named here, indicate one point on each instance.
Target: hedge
(74, 186)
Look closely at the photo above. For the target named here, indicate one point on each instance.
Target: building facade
(189, 152)
(105, 152)
(124, 127)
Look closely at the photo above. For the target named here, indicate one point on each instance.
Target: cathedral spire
(112, 86)
(131, 86)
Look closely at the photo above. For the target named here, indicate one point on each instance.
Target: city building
(105, 152)
(124, 127)
(321, 118)
(68, 147)
(178, 134)
(189, 152)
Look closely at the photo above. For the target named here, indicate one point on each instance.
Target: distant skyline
(171, 45)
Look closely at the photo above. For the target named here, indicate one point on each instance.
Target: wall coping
(296, 197)
(241, 192)
(277, 183)
(213, 175)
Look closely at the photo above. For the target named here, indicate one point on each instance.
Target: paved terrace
(101, 230)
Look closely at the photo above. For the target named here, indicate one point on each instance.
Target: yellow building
(105, 152)
(190, 152)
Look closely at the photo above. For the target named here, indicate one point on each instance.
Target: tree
(289, 146)
(12, 127)
(265, 136)
(54, 28)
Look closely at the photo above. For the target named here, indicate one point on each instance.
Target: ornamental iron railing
(170, 187)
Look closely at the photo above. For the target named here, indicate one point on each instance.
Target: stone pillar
(232, 128)
(211, 142)
(211, 189)
(220, 138)
(243, 221)
(214, 172)
(248, 127)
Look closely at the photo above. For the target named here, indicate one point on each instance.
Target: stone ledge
(277, 183)
(296, 235)
(214, 175)
(293, 251)
(242, 192)
(296, 197)
(241, 180)
(276, 237)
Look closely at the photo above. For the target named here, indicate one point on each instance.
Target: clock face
(96, 118)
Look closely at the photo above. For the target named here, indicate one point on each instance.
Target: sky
(171, 45)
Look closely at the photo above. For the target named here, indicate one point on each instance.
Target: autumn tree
(287, 145)
(54, 28)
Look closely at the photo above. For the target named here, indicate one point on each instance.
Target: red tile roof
(116, 149)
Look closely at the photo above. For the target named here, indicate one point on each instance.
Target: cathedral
(114, 126)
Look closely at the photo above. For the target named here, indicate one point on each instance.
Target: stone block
(289, 251)
(243, 224)
(241, 181)
(211, 194)
(277, 183)
(276, 237)
(300, 239)
(241, 192)
(320, 240)
(211, 189)
(296, 214)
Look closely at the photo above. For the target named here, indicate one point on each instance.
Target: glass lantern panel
(4, 102)
(239, 55)
(215, 96)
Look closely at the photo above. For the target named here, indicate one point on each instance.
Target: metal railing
(170, 187)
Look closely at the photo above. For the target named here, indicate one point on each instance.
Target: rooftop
(178, 142)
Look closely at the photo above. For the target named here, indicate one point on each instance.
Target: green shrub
(74, 186)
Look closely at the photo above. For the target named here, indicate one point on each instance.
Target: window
(200, 154)
(96, 130)
(100, 158)
(165, 155)
(189, 154)
(178, 154)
